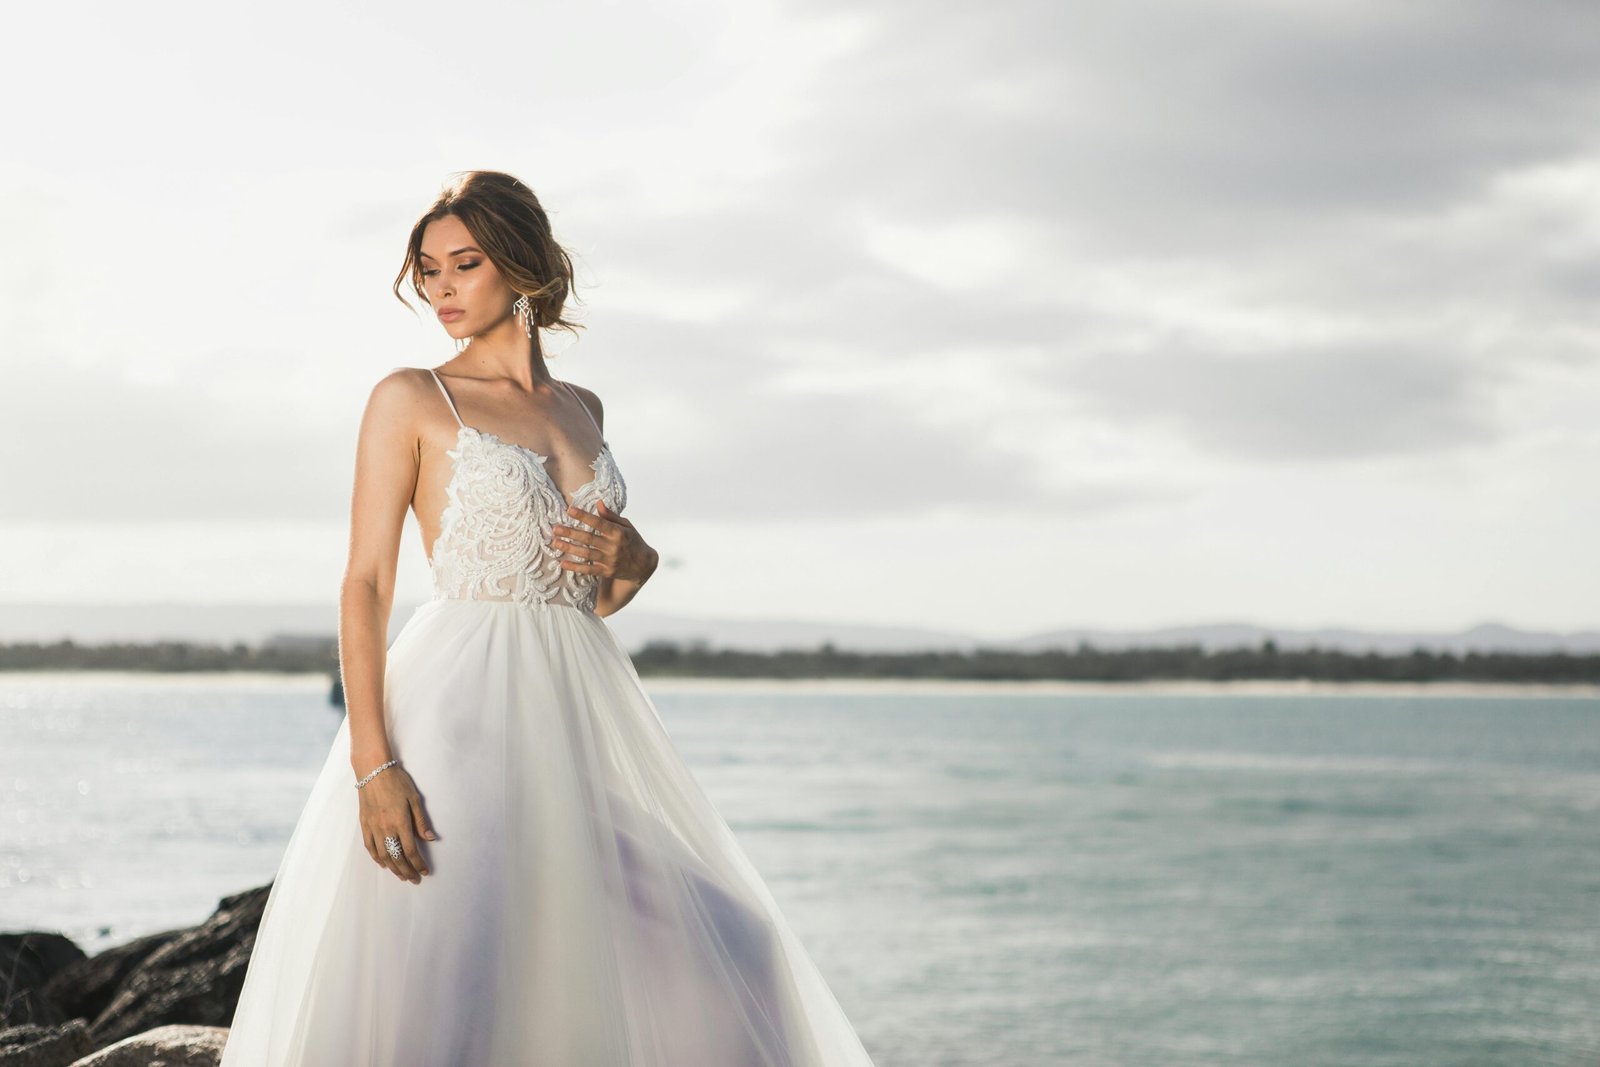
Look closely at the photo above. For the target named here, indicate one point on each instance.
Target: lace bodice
(494, 536)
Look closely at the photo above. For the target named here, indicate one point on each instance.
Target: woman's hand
(613, 550)
(392, 807)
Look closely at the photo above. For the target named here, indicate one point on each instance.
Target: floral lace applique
(494, 535)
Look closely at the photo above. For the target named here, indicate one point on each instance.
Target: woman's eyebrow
(457, 252)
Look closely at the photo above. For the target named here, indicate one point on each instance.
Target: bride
(504, 859)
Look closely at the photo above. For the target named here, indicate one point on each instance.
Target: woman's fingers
(413, 833)
(392, 864)
(588, 556)
(572, 539)
(413, 849)
(375, 846)
(409, 862)
(421, 820)
(595, 546)
(610, 516)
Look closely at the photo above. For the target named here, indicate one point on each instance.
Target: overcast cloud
(994, 317)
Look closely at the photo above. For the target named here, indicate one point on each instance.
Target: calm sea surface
(986, 879)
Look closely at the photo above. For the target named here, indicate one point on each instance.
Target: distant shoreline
(1153, 687)
(318, 681)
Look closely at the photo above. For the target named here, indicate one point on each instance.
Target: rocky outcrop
(178, 989)
(85, 988)
(30, 1045)
(27, 961)
(194, 978)
(170, 1046)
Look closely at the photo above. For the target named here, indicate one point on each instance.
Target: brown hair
(511, 227)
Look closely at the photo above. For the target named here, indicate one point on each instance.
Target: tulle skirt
(587, 905)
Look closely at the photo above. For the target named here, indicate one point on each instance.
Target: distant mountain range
(254, 624)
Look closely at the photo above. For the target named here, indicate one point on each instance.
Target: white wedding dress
(587, 906)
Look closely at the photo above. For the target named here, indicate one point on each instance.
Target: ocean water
(985, 878)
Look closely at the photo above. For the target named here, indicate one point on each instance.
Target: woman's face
(458, 277)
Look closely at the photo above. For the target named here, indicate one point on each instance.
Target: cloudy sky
(990, 317)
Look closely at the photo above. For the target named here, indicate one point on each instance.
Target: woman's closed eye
(464, 266)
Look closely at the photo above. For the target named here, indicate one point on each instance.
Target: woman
(526, 872)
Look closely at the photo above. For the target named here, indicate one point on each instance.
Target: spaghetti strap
(447, 399)
(586, 410)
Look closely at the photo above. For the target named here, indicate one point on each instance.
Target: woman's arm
(387, 460)
(616, 592)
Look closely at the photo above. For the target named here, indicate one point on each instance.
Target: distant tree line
(1083, 663)
(170, 656)
(1089, 664)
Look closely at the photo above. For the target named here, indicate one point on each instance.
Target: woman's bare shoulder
(399, 402)
(404, 378)
(591, 400)
(401, 387)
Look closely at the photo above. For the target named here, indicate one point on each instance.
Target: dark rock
(82, 990)
(193, 978)
(45, 1046)
(166, 1046)
(27, 960)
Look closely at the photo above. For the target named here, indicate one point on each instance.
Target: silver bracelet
(374, 774)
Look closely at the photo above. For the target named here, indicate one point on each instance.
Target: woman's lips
(450, 316)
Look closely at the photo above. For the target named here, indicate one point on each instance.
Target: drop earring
(523, 309)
